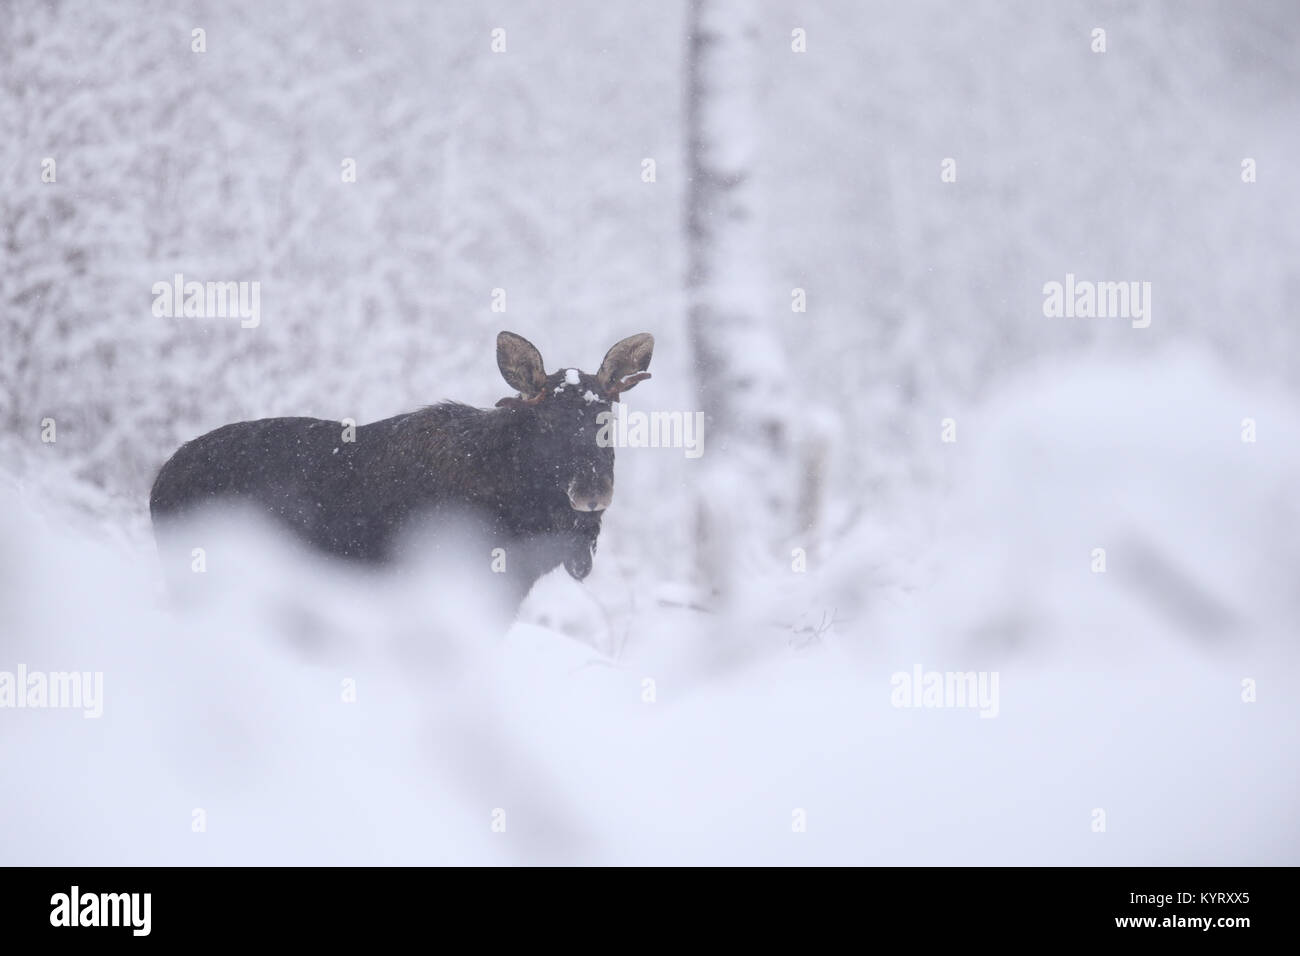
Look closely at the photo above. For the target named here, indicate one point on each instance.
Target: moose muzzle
(590, 496)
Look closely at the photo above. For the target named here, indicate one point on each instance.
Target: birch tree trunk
(744, 503)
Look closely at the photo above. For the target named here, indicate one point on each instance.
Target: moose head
(563, 410)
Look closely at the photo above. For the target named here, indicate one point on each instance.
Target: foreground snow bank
(289, 713)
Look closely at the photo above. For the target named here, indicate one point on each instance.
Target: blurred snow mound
(1100, 504)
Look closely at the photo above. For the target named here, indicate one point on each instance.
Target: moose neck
(490, 459)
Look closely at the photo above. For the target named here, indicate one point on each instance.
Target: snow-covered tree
(746, 499)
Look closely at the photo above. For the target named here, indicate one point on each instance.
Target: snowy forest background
(523, 170)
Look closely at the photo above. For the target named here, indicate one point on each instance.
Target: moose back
(529, 475)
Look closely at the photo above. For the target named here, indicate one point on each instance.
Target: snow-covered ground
(631, 730)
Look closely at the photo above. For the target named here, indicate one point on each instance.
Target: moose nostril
(595, 502)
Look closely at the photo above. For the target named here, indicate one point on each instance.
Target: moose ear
(520, 364)
(626, 363)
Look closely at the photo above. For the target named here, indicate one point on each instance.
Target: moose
(529, 476)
